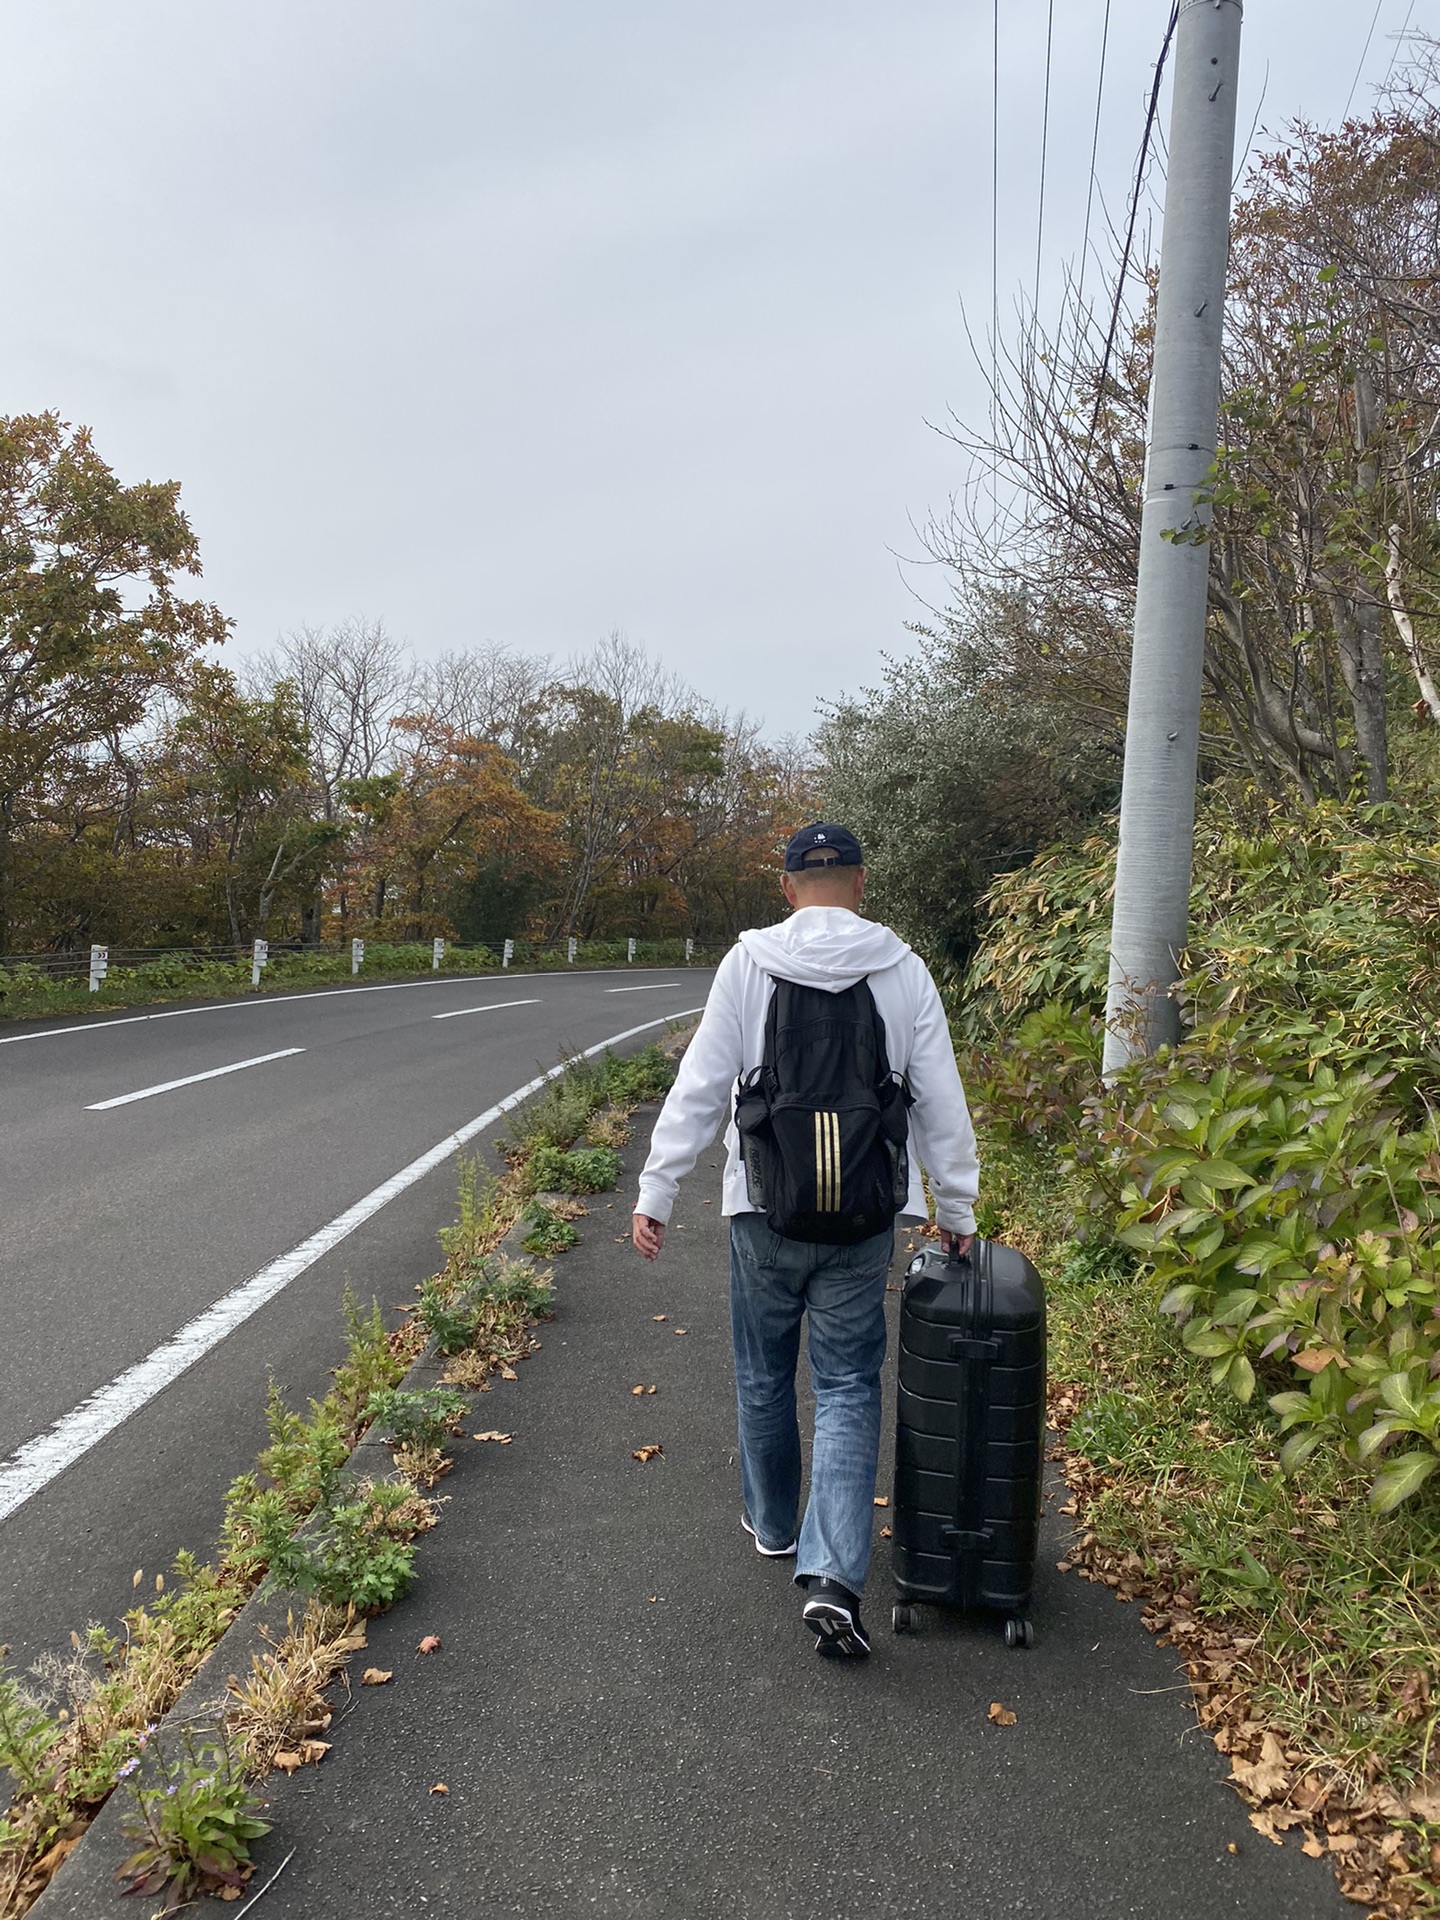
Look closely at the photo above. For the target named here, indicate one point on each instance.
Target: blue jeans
(773, 1282)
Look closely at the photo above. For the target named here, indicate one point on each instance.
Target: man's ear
(787, 887)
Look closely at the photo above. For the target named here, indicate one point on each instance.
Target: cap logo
(819, 839)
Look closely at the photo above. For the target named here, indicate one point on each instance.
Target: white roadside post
(437, 954)
(509, 954)
(357, 955)
(99, 966)
(259, 957)
(689, 951)
(570, 949)
(630, 950)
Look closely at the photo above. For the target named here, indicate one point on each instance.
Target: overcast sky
(528, 319)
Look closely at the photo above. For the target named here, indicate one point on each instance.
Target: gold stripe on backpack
(827, 1162)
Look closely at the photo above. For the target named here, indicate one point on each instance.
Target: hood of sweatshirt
(826, 947)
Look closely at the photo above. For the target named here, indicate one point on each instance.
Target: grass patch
(1309, 1623)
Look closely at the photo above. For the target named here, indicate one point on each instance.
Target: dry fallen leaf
(637, 1390)
(659, 1316)
(439, 1787)
(137, 1576)
(881, 1500)
(508, 1373)
(649, 1452)
(679, 1331)
(999, 1716)
(288, 1762)
(1424, 1802)
(1266, 1778)
(376, 1676)
(312, 1752)
(1230, 1847)
(652, 1389)
(430, 1644)
(885, 1533)
(1313, 1847)
(501, 1439)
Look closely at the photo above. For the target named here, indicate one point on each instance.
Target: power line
(1135, 193)
(1094, 150)
(1363, 51)
(994, 246)
(1399, 41)
(1044, 146)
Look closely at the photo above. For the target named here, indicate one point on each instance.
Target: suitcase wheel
(902, 1618)
(1019, 1632)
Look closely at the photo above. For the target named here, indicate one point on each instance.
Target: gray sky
(527, 319)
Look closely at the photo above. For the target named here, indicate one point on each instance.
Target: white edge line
(655, 986)
(494, 1007)
(169, 1086)
(39, 1461)
(276, 1000)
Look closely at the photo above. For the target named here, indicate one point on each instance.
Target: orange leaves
(493, 1433)
(377, 1676)
(430, 1644)
(998, 1715)
(307, 1753)
(645, 1454)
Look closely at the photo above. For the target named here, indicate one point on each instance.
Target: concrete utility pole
(1162, 738)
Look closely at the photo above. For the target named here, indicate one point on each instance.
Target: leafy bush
(195, 1822)
(549, 1235)
(1279, 1170)
(347, 1556)
(305, 1458)
(478, 1301)
(416, 1418)
(583, 1170)
(371, 1363)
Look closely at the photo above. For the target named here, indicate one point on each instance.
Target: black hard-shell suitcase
(970, 1434)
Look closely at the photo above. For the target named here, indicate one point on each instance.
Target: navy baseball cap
(819, 841)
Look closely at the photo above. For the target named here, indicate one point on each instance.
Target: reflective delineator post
(357, 955)
(437, 954)
(630, 950)
(689, 951)
(509, 954)
(99, 966)
(571, 946)
(259, 958)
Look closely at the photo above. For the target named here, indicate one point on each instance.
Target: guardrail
(96, 963)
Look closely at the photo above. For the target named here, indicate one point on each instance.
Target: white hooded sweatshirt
(830, 948)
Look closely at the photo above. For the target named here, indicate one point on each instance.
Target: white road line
(266, 1000)
(35, 1464)
(654, 987)
(493, 1007)
(169, 1086)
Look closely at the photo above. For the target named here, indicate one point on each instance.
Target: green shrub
(370, 1365)
(549, 1235)
(420, 1417)
(582, 1170)
(305, 1458)
(195, 1819)
(346, 1556)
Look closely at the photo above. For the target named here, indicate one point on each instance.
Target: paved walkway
(630, 1721)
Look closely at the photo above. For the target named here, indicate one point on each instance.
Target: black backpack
(823, 1122)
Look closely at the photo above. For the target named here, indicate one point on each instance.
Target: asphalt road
(630, 1721)
(120, 1224)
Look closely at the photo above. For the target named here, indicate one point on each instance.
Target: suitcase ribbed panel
(970, 1430)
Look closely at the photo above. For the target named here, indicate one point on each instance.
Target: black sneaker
(832, 1613)
(768, 1553)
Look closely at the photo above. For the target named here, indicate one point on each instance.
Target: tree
(92, 627)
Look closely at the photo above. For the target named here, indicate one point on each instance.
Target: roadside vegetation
(76, 1728)
(34, 991)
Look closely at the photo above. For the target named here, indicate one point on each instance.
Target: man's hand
(955, 1245)
(648, 1235)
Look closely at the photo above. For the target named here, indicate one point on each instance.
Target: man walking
(816, 1172)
